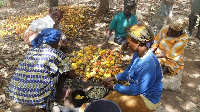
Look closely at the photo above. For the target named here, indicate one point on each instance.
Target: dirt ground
(187, 99)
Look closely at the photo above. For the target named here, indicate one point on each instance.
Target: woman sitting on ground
(143, 92)
(34, 79)
(169, 46)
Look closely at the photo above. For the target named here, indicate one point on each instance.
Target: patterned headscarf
(178, 23)
(141, 33)
(47, 36)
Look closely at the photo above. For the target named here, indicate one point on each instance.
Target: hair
(130, 3)
(54, 11)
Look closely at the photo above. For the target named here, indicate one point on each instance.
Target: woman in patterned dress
(33, 79)
(169, 45)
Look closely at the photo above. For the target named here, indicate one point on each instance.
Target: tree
(53, 3)
(9, 3)
(103, 7)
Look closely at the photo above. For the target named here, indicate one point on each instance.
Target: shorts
(120, 40)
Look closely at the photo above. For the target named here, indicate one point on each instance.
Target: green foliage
(2, 2)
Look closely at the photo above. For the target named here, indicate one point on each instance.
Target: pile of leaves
(14, 26)
(77, 19)
(94, 63)
(74, 21)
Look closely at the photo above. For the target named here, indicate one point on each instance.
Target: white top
(45, 22)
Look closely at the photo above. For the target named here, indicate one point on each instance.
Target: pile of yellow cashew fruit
(96, 63)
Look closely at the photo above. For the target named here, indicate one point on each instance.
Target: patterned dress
(32, 82)
(174, 49)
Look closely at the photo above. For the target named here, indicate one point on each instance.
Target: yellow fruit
(79, 97)
(108, 65)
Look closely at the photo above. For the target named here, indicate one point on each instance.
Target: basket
(97, 92)
(78, 102)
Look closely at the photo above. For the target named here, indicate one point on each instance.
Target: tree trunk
(53, 3)
(9, 3)
(103, 7)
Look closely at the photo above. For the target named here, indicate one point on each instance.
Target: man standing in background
(195, 11)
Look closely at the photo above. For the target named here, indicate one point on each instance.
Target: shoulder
(39, 19)
(133, 16)
(151, 59)
(184, 37)
(45, 48)
(118, 15)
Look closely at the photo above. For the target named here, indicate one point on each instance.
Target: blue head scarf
(47, 36)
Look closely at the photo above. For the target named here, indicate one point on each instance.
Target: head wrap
(141, 33)
(47, 36)
(178, 23)
(131, 3)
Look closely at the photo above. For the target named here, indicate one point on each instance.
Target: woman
(52, 20)
(169, 46)
(33, 80)
(143, 92)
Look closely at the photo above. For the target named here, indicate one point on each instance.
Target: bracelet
(114, 87)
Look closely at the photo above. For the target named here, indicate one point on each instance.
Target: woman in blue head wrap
(48, 36)
(33, 79)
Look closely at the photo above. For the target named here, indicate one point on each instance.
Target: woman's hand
(161, 55)
(71, 74)
(105, 45)
(106, 81)
(110, 85)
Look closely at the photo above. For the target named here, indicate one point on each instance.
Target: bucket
(78, 102)
(102, 105)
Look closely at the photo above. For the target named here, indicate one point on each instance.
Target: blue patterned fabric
(31, 82)
(47, 36)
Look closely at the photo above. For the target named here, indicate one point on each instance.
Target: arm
(106, 81)
(124, 75)
(158, 38)
(71, 74)
(112, 27)
(32, 31)
(29, 35)
(156, 42)
(108, 34)
(178, 47)
(145, 80)
(63, 41)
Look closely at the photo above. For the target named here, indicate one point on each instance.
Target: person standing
(166, 8)
(195, 11)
